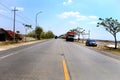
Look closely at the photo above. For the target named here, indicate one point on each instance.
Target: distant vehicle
(70, 36)
(56, 37)
(91, 42)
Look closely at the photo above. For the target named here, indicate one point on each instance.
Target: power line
(25, 19)
(4, 16)
(11, 18)
(5, 6)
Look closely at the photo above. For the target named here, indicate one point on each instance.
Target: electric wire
(24, 19)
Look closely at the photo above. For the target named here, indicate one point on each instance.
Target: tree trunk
(115, 41)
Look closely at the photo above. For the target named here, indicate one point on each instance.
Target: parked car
(91, 42)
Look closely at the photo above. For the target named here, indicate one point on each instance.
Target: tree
(49, 34)
(43, 35)
(73, 30)
(31, 34)
(112, 26)
(38, 32)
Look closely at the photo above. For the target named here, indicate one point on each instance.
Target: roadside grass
(7, 43)
(117, 51)
(103, 48)
(109, 49)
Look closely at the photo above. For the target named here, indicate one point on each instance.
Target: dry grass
(103, 46)
(8, 45)
(108, 49)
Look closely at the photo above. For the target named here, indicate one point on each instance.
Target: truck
(70, 36)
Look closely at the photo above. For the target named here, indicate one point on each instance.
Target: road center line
(66, 74)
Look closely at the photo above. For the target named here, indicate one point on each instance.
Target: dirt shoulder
(9, 46)
(109, 49)
(102, 45)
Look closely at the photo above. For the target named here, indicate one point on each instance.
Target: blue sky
(60, 15)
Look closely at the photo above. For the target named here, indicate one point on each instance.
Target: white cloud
(69, 14)
(76, 15)
(81, 18)
(73, 22)
(75, 18)
(67, 2)
(93, 17)
(18, 8)
(64, 3)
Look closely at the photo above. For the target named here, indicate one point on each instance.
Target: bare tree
(111, 25)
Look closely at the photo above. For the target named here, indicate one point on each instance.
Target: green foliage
(41, 34)
(74, 30)
(49, 34)
(38, 32)
(111, 25)
(31, 34)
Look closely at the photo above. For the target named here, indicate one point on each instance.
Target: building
(3, 35)
(9, 35)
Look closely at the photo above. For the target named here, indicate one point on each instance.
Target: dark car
(91, 42)
(56, 37)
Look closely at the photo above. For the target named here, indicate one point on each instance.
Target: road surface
(57, 59)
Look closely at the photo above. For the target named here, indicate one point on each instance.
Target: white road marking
(16, 52)
(7, 55)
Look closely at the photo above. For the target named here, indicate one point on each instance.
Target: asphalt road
(45, 60)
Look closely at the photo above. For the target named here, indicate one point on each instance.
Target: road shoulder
(10, 46)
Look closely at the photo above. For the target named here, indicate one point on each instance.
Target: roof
(11, 33)
(1, 28)
(2, 31)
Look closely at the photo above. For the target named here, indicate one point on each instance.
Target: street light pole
(36, 23)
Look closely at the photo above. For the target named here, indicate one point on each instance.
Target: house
(3, 35)
(9, 35)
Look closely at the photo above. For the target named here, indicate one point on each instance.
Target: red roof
(1, 29)
(70, 33)
(11, 33)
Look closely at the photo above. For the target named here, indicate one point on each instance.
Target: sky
(60, 16)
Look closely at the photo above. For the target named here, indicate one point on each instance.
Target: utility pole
(89, 34)
(14, 10)
(79, 32)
